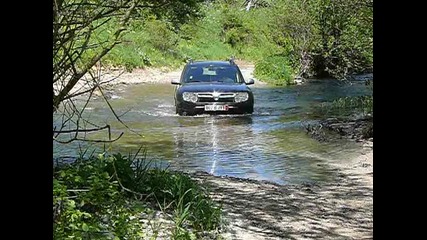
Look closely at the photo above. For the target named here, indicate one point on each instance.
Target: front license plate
(216, 108)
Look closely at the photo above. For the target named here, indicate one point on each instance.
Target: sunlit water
(271, 144)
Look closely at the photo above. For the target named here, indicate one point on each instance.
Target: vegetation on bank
(285, 38)
(103, 197)
(361, 106)
(347, 116)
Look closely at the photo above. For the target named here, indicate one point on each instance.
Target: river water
(271, 144)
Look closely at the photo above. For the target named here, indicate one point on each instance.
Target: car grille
(220, 97)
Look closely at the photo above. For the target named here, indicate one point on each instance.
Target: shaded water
(271, 144)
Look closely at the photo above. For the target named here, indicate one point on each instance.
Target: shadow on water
(271, 144)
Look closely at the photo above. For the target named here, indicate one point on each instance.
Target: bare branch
(115, 114)
(90, 89)
(89, 140)
(77, 75)
(84, 130)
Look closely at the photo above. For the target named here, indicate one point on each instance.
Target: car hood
(203, 87)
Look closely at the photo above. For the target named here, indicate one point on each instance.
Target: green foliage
(92, 198)
(315, 38)
(173, 189)
(88, 203)
(179, 12)
(149, 43)
(275, 70)
(180, 192)
(161, 37)
(214, 50)
(292, 28)
(344, 42)
(201, 39)
(348, 106)
(234, 31)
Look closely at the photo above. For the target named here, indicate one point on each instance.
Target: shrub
(274, 69)
(160, 35)
(347, 106)
(92, 198)
(88, 203)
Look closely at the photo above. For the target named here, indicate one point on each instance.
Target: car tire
(249, 110)
(179, 111)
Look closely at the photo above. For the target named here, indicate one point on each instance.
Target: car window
(224, 74)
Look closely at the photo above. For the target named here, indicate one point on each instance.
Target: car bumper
(199, 107)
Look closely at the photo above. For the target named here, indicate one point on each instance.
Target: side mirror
(250, 81)
(176, 81)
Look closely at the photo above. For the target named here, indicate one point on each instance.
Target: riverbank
(255, 210)
(114, 77)
(262, 210)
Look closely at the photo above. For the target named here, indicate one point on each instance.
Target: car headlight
(241, 97)
(189, 97)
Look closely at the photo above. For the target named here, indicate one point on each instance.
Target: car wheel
(250, 110)
(179, 111)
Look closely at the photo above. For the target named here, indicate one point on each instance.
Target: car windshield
(211, 73)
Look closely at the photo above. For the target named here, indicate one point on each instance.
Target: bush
(161, 37)
(88, 203)
(275, 70)
(92, 198)
(234, 30)
(347, 106)
(344, 38)
(179, 191)
(202, 39)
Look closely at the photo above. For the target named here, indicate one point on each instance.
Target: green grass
(347, 106)
(189, 201)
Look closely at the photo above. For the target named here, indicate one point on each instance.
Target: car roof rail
(231, 60)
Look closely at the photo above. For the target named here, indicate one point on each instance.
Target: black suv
(213, 87)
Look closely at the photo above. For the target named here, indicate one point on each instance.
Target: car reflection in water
(220, 145)
(208, 142)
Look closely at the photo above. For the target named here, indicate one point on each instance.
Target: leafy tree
(292, 29)
(345, 36)
(323, 37)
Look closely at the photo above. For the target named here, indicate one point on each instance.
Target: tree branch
(84, 130)
(78, 75)
(115, 115)
(88, 140)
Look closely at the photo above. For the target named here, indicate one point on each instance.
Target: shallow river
(271, 144)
